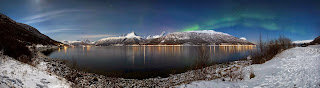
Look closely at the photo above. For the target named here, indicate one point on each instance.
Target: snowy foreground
(14, 74)
(297, 67)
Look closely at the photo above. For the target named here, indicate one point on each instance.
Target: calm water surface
(149, 61)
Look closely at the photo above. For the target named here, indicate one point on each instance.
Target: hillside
(14, 37)
(315, 41)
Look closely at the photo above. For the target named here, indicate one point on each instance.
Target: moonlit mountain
(198, 37)
(79, 42)
(156, 36)
(177, 38)
(129, 39)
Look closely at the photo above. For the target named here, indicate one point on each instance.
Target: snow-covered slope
(294, 68)
(198, 37)
(14, 74)
(130, 38)
(156, 36)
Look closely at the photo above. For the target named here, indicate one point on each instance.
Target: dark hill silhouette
(315, 41)
(14, 37)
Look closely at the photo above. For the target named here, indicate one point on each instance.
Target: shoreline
(167, 45)
(189, 45)
(86, 79)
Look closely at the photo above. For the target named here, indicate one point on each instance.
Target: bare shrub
(24, 59)
(261, 43)
(240, 74)
(270, 49)
(15, 49)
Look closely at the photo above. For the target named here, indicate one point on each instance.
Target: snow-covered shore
(296, 67)
(14, 74)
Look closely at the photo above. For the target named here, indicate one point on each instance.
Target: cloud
(71, 37)
(95, 36)
(48, 15)
(58, 30)
(39, 20)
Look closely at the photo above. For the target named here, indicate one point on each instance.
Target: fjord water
(144, 61)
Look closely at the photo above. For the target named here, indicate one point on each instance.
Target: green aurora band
(250, 20)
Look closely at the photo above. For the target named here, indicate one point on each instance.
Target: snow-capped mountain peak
(190, 37)
(149, 37)
(130, 38)
(132, 35)
(86, 41)
(156, 36)
(243, 38)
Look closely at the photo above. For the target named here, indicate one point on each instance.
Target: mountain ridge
(15, 36)
(176, 38)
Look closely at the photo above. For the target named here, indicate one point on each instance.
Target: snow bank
(297, 67)
(19, 75)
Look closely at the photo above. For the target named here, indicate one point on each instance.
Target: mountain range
(79, 42)
(208, 37)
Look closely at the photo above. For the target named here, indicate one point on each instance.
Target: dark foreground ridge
(15, 36)
(315, 41)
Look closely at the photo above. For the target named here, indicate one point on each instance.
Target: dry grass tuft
(252, 74)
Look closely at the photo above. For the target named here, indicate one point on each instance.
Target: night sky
(96, 19)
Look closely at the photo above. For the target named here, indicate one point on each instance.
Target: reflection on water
(145, 58)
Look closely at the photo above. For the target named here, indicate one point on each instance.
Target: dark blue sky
(95, 19)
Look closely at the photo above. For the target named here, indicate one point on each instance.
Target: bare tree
(261, 43)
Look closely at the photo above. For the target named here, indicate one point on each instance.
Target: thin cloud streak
(59, 30)
(52, 13)
(39, 20)
(48, 15)
(95, 36)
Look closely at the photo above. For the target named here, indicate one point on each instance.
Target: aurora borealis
(95, 19)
